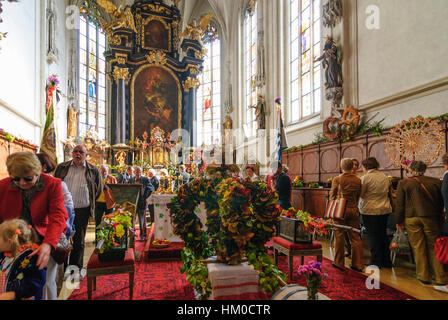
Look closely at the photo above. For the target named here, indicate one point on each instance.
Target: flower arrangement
(297, 183)
(314, 277)
(53, 83)
(112, 229)
(318, 226)
(241, 217)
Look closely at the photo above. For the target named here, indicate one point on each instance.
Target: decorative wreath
(328, 132)
(353, 123)
(415, 139)
(241, 216)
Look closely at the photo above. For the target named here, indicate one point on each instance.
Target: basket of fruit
(161, 244)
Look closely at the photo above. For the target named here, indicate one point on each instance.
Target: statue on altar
(154, 149)
(194, 31)
(120, 18)
(72, 123)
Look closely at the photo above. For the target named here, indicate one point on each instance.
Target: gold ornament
(415, 139)
(194, 31)
(121, 73)
(156, 57)
(121, 18)
(121, 158)
(190, 83)
(72, 130)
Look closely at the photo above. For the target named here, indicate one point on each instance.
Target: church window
(305, 74)
(250, 70)
(92, 79)
(209, 92)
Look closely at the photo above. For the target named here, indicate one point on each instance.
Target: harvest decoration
(297, 183)
(241, 216)
(112, 229)
(161, 243)
(317, 226)
(52, 85)
(415, 139)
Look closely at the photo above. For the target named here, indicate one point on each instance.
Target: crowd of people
(417, 205)
(36, 209)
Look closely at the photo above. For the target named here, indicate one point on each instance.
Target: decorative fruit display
(161, 243)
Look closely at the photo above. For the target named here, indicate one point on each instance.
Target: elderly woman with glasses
(35, 197)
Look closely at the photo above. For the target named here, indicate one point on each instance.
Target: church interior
(183, 107)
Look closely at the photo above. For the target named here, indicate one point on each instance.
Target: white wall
(20, 69)
(25, 69)
(400, 69)
(407, 51)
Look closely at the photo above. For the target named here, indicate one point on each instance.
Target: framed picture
(156, 100)
(157, 35)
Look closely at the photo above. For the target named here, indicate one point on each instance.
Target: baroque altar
(153, 82)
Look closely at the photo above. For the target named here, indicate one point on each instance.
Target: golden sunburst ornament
(416, 139)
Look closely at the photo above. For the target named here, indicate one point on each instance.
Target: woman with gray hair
(419, 208)
(348, 186)
(375, 208)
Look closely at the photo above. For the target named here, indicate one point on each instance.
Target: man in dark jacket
(145, 192)
(419, 207)
(155, 183)
(86, 185)
(182, 175)
(282, 185)
(127, 177)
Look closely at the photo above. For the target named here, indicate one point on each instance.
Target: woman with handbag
(441, 246)
(419, 208)
(347, 187)
(35, 197)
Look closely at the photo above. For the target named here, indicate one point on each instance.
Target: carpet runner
(152, 281)
(163, 281)
(343, 285)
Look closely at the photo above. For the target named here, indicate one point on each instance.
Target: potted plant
(112, 235)
(314, 277)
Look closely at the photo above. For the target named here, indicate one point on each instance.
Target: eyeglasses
(26, 179)
(78, 151)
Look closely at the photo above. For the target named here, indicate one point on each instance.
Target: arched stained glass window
(250, 70)
(209, 92)
(305, 74)
(92, 79)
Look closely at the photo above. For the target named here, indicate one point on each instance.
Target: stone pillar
(121, 76)
(189, 111)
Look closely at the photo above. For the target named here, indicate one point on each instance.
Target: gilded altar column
(121, 76)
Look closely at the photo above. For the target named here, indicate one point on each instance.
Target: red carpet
(343, 285)
(153, 281)
(163, 281)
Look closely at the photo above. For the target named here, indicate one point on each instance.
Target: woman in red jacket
(35, 197)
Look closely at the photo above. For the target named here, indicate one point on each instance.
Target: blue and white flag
(281, 143)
